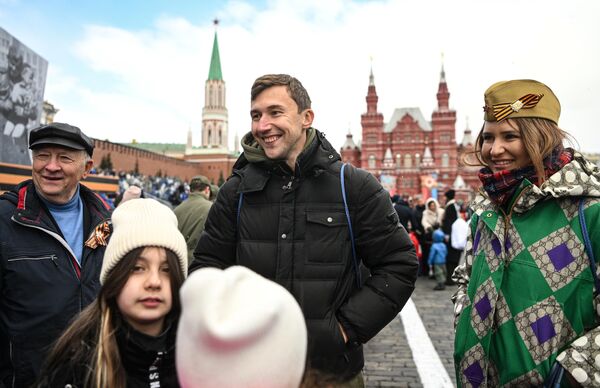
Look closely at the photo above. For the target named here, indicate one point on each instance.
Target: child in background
(437, 257)
(126, 338)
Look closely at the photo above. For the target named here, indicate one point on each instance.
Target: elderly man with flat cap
(192, 213)
(53, 231)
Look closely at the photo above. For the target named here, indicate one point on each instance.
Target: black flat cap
(61, 134)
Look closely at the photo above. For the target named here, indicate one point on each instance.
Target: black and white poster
(22, 81)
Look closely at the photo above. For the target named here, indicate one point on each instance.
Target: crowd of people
(300, 260)
(439, 234)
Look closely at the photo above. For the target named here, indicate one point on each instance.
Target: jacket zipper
(60, 240)
(10, 353)
(47, 257)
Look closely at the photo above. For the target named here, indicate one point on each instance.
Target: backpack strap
(588, 245)
(355, 262)
(239, 208)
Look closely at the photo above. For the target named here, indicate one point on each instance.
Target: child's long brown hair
(90, 339)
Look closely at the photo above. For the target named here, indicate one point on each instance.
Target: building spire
(371, 77)
(467, 137)
(443, 95)
(443, 73)
(215, 61)
(372, 92)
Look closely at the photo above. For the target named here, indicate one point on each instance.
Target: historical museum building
(411, 155)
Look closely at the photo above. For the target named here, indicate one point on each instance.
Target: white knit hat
(143, 222)
(238, 329)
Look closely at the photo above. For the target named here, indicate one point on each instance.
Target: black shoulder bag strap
(355, 261)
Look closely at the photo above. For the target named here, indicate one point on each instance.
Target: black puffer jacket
(292, 229)
(41, 285)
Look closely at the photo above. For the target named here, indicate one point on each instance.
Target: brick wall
(124, 158)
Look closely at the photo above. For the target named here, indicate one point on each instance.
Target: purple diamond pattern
(484, 307)
(543, 329)
(476, 241)
(491, 245)
(474, 374)
(482, 313)
(560, 256)
(472, 366)
(496, 246)
(507, 244)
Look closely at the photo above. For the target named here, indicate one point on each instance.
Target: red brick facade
(409, 154)
(124, 158)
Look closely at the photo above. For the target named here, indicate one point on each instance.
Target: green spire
(215, 63)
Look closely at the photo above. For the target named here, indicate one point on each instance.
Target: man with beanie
(53, 231)
(282, 214)
(451, 212)
(191, 214)
(255, 336)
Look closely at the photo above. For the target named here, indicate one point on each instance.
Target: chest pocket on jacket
(327, 237)
(25, 272)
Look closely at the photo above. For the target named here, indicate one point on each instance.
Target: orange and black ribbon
(502, 111)
(99, 236)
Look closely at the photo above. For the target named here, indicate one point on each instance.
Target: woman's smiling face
(502, 147)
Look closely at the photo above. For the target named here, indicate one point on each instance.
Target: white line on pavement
(429, 366)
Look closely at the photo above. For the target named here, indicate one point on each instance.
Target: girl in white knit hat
(126, 338)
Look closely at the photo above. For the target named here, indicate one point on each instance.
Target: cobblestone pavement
(388, 357)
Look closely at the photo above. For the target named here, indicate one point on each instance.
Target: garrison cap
(520, 98)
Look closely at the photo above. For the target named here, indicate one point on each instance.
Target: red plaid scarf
(500, 186)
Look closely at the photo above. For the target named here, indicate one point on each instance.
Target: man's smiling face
(277, 125)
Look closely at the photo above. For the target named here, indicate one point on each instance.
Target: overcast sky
(124, 70)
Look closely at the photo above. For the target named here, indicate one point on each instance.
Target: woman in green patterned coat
(526, 301)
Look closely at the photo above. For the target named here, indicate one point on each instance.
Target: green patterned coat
(525, 296)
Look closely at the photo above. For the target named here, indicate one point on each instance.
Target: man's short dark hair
(294, 88)
(197, 186)
(199, 183)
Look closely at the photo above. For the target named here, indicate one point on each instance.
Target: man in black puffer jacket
(282, 215)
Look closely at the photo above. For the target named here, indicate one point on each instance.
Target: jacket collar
(314, 159)
(29, 208)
